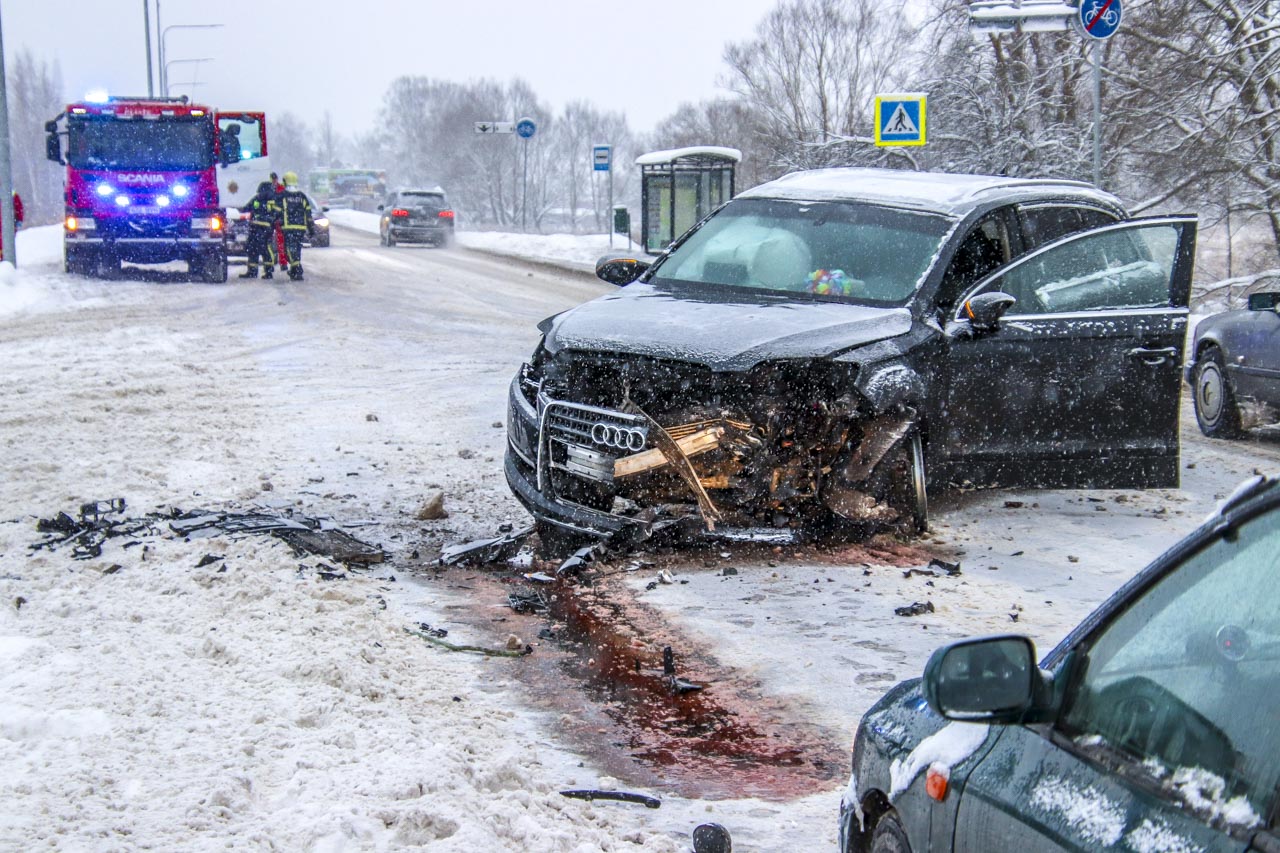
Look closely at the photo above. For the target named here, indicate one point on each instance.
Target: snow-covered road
(160, 705)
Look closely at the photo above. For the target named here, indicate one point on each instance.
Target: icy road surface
(145, 702)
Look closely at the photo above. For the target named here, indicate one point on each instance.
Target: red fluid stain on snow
(726, 740)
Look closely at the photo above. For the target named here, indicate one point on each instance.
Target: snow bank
(357, 220)
(946, 748)
(36, 285)
(575, 251)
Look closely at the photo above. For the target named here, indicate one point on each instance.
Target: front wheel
(889, 836)
(908, 493)
(1215, 403)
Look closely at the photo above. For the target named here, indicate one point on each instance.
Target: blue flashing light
(104, 190)
(180, 190)
(122, 200)
(96, 96)
(162, 201)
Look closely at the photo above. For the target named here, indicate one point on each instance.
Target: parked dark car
(319, 235)
(1235, 368)
(416, 216)
(824, 346)
(1153, 726)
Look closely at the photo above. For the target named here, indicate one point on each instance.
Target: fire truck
(141, 185)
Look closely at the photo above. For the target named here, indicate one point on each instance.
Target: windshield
(840, 250)
(165, 145)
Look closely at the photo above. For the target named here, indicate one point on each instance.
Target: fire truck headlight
(122, 200)
(180, 191)
(162, 201)
(104, 190)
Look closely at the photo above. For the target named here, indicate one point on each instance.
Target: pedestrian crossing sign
(900, 119)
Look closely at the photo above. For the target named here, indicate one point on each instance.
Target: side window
(1125, 267)
(1043, 224)
(240, 137)
(1184, 681)
(986, 247)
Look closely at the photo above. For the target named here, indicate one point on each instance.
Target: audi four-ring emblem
(619, 437)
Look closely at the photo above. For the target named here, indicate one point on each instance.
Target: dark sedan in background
(416, 216)
(1152, 727)
(1235, 368)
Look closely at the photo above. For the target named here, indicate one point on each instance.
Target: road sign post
(525, 129)
(1098, 20)
(900, 120)
(602, 161)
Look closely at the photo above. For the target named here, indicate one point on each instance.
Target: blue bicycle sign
(1099, 19)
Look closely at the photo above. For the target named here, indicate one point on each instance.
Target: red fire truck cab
(141, 185)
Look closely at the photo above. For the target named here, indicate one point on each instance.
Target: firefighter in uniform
(263, 219)
(296, 222)
(277, 239)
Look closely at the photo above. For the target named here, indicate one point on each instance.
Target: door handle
(1153, 356)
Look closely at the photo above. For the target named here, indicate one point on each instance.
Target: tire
(320, 242)
(391, 240)
(382, 239)
(889, 836)
(1215, 402)
(211, 268)
(908, 489)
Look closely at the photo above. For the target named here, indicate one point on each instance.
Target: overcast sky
(339, 55)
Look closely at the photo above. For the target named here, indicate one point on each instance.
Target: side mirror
(989, 680)
(51, 126)
(324, 209)
(1264, 301)
(985, 310)
(380, 207)
(53, 147)
(619, 269)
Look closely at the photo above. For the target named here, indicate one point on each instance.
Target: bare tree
(810, 72)
(35, 96)
(291, 144)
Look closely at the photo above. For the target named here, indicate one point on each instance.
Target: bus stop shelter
(679, 187)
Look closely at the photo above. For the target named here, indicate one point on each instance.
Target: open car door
(243, 158)
(1078, 383)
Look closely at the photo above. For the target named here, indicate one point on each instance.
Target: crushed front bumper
(532, 470)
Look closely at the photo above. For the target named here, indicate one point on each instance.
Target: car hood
(726, 332)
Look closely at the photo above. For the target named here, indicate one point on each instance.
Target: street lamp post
(164, 73)
(181, 62)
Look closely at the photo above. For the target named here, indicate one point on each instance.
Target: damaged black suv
(828, 346)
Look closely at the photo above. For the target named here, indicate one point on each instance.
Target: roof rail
(1032, 182)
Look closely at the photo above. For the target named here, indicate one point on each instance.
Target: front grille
(585, 441)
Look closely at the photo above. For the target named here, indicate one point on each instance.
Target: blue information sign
(1099, 19)
(900, 119)
(526, 128)
(601, 157)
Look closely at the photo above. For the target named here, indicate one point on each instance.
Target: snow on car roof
(654, 158)
(936, 191)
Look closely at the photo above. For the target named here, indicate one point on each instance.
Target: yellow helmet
(290, 179)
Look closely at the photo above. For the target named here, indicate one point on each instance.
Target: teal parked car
(1154, 726)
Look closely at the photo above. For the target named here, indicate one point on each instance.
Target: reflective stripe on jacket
(295, 210)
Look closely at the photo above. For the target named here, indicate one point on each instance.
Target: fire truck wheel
(211, 268)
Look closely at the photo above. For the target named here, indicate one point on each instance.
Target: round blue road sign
(526, 128)
(1099, 19)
